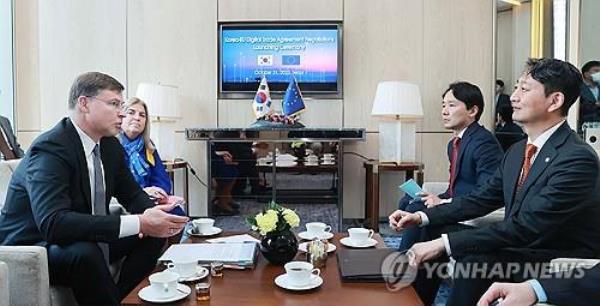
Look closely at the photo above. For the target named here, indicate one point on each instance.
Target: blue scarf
(137, 164)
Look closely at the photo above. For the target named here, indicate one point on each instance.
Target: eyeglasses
(116, 104)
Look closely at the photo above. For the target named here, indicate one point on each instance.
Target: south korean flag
(265, 60)
(262, 100)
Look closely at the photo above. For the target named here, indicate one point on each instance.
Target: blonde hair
(146, 132)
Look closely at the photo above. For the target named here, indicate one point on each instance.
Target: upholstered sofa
(24, 269)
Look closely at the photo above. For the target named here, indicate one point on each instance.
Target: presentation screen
(309, 52)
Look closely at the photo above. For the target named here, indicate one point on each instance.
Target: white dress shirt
(130, 224)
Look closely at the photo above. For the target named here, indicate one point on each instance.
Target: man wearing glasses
(59, 194)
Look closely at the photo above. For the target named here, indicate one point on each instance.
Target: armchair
(24, 278)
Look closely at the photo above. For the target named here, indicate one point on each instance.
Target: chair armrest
(116, 209)
(493, 217)
(4, 285)
(28, 274)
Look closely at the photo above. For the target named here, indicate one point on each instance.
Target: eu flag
(290, 60)
(292, 100)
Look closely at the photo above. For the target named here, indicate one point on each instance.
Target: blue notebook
(411, 188)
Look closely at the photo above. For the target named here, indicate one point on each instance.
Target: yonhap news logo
(397, 272)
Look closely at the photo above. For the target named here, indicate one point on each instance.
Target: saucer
(285, 163)
(201, 272)
(307, 236)
(324, 163)
(214, 231)
(349, 243)
(302, 247)
(283, 282)
(182, 292)
(311, 164)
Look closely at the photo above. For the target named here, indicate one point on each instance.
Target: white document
(235, 253)
(234, 239)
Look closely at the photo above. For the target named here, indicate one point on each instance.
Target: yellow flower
(267, 222)
(291, 217)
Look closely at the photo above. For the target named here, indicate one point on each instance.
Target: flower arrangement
(274, 218)
(297, 144)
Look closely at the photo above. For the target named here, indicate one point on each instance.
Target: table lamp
(162, 101)
(397, 105)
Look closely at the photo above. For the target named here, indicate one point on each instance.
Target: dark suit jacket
(479, 155)
(588, 111)
(557, 208)
(12, 140)
(48, 199)
(503, 101)
(573, 291)
(508, 134)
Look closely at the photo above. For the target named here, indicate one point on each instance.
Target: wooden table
(372, 189)
(256, 287)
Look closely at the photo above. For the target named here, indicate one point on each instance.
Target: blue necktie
(99, 197)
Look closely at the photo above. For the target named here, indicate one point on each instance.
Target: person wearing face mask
(141, 155)
(589, 109)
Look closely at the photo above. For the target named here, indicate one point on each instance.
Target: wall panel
(175, 42)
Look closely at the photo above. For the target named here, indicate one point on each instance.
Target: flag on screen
(264, 60)
(290, 60)
(261, 105)
(292, 100)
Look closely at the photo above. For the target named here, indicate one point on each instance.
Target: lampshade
(161, 99)
(397, 99)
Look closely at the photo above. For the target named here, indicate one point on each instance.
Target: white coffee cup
(185, 268)
(163, 284)
(317, 228)
(300, 272)
(203, 225)
(359, 235)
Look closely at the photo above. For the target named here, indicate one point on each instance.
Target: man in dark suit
(473, 152)
(549, 185)
(579, 289)
(507, 132)
(500, 99)
(9, 147)
(58, 199)
(589, 102)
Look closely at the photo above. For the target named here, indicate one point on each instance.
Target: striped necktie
(529, 152)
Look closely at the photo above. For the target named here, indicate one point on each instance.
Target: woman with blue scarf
(141, 155)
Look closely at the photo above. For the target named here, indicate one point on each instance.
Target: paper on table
(234, 239)
(236, 253)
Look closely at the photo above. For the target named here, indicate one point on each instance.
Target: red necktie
(529, 152)
(453, 161)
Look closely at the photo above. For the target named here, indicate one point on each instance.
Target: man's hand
(429, 199)
(513, 294)
(156, 222)
(424, 251)
(400, 220)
